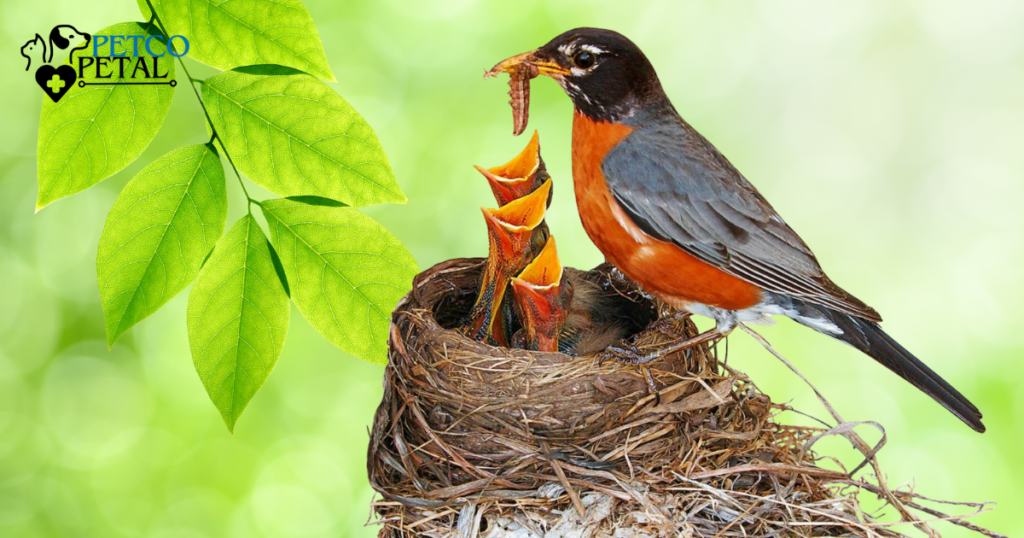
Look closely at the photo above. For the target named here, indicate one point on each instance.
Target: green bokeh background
(888, 133)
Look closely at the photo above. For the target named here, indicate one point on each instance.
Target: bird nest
(473, 440)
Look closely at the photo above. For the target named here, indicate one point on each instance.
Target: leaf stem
(160, 25)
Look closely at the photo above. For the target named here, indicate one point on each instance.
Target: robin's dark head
(605, 74)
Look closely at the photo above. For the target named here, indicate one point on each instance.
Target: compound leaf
(94, 131)
(237, 318)
(232, 33)
(295, 136)
(157, 234)
(346, 272)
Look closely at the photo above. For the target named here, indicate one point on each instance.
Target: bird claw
(628, 354)
(631, 354)
(652, 386)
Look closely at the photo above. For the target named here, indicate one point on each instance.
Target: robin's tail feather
(868, 337)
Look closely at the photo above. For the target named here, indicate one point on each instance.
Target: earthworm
(519, 91)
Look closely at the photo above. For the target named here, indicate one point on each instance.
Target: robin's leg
(662, 325)
(651, 385)
(631, 355)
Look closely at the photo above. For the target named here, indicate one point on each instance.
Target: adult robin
(673, 214)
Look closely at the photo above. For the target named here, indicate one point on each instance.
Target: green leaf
(237, 318)
(316, 200)
(279, 267)
(296, 137)
(346, 272)
(268, 69)
(232, 33)
(95, 131)
(158, 233)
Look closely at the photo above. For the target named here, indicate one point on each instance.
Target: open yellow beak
(541, 299)
(516, 234)
(544, 272)
(528, 60)
(518, 177)
(519, 168)
(524, 213)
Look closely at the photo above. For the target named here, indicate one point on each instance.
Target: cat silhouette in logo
(34, 49)
(61, 37)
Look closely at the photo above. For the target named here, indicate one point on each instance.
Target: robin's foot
(627, 351)
(629, 354)
(664, 324)
(652, 386)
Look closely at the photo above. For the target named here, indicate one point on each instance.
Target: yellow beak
(528, 60)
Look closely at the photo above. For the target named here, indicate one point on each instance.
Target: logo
(55, 81)
(124, 59)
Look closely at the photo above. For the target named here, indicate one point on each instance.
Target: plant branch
(206, 113)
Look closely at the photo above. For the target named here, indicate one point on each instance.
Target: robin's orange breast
(660, 267)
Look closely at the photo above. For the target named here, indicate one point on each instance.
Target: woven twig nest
(473, 440)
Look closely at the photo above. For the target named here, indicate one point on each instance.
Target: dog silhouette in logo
(55, 81)
(61, 37)
(34, 49)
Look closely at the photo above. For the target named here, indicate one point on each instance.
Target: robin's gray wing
(677, 187)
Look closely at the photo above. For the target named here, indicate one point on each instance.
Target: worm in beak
(521, 68)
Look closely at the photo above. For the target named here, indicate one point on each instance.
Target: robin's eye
(583, 59)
